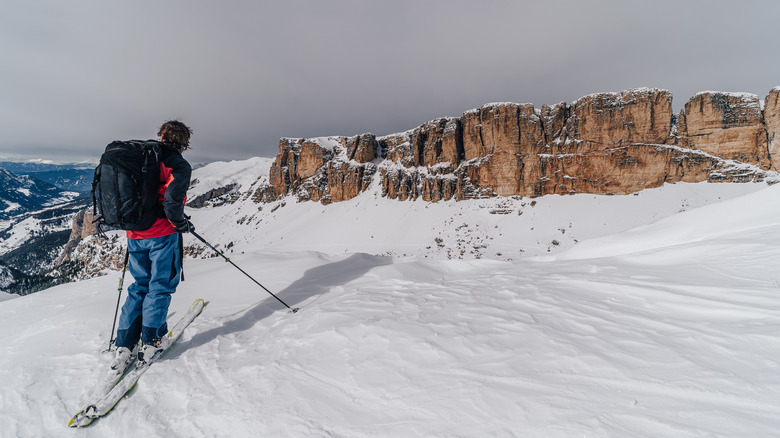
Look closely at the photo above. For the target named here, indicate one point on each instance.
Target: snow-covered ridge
(620, 96)
(497, 228)
(746, 97)
(328, 142)
(242, 174)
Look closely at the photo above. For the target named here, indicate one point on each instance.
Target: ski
(113, 392)
(99, 391)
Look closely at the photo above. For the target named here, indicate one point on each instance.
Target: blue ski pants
(156, 268)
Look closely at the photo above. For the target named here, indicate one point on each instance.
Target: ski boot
(124, 357)
(148, 350)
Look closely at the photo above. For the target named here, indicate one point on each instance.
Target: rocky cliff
(606, 143)
(772, 123)
(81, 228)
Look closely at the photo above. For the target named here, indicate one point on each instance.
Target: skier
(155, 255)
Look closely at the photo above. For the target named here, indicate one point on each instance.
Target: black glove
(185, 227)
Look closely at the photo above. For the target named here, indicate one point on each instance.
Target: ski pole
(292, 310)
(119, 297)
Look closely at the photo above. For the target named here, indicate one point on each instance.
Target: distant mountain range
(37, 205)
(73, 177)
(30, 243)
(20, 194)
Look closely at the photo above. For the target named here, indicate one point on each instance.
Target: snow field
(21, 232)
(5, 296)
(660, 321)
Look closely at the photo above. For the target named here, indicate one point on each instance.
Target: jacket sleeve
(176, 193)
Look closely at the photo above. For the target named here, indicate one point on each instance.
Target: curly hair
(176, 132)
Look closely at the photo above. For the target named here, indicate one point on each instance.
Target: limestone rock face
(214, 197)
(726, 125)
(772, 121)
(81, 228)
(346, 180)
(606, 143)
(298, 160)
(553, 121)
(311, 157)
(362, 148)
(605, 172)
(326, 170)
(504, 134)
(502, 128)
(437, 142)
(398, 149)
(279, 175)
(605, 120)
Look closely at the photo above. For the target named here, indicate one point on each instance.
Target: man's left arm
(176, 193)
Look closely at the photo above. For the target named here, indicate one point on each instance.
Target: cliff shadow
(315, 281)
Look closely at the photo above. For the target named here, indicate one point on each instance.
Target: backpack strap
(95, 181)
(96, 218)
(95, 178)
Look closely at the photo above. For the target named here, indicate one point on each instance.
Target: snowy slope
(660, 320)
(4, 296)
(243, 173)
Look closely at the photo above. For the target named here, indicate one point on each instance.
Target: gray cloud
(76, 75)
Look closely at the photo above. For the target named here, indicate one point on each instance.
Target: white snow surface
(661, 320)
(12, 206)
(18, 232)
(243, 173)
(14, 232)
(6, 296)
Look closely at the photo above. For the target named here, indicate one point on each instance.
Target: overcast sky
(75, 75)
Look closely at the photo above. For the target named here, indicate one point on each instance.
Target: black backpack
(126, 185)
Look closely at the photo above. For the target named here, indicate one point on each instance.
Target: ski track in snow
(633, 333)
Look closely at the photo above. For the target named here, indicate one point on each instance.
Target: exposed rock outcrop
(606, 143)
(95, 255)
(215, 197)
(82, 228)
(726, 125)
(772, 122)
(329, 169)
(602, 121)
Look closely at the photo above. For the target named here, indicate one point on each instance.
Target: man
(155, 255)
